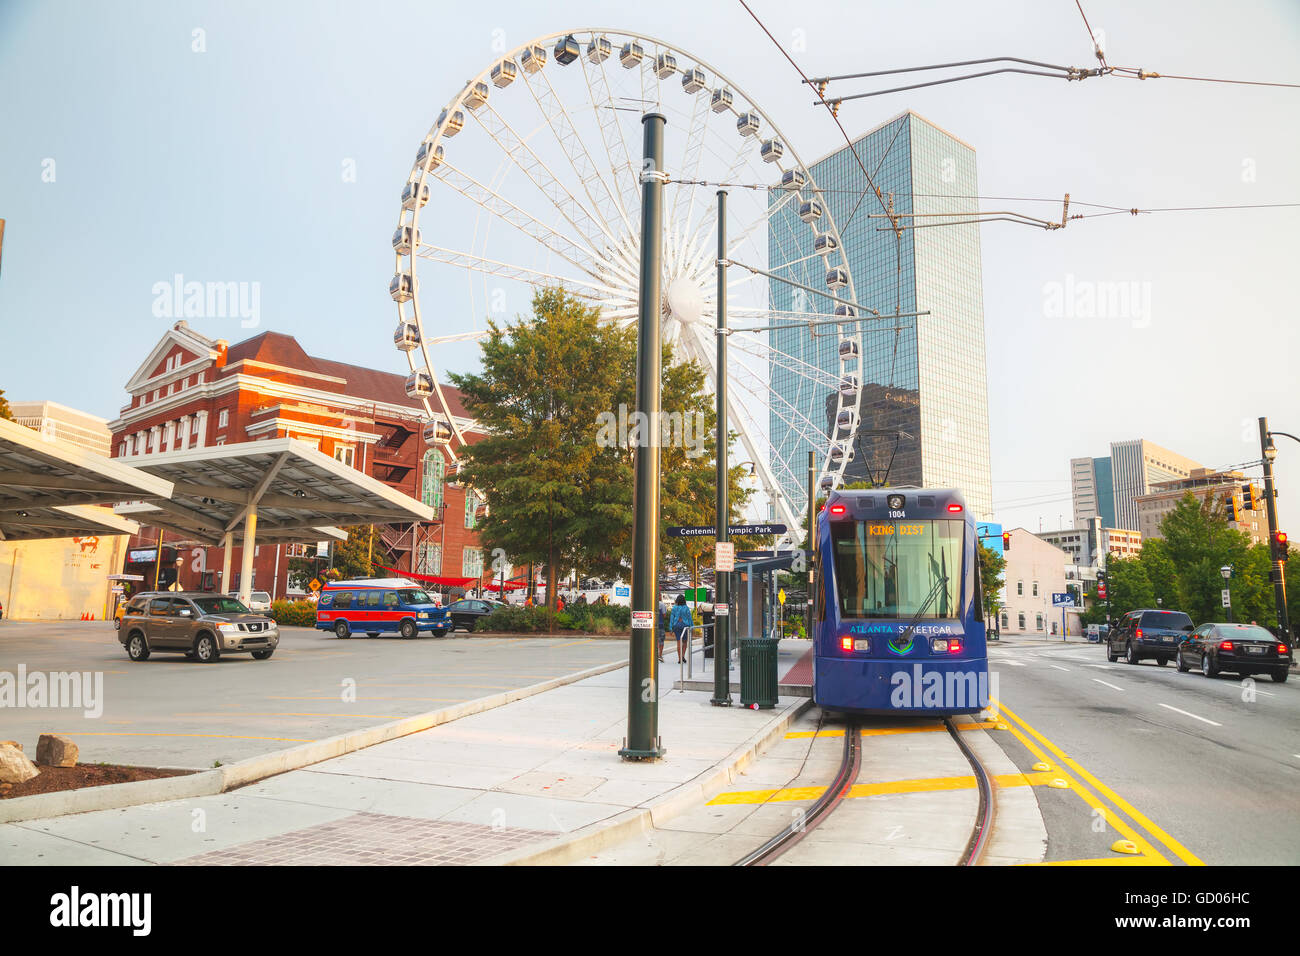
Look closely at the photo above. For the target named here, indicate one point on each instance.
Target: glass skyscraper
(924, 377)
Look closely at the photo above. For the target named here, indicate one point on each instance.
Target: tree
(5, 412)
(357, 556)
(992, 565)
(556, 495)
(1161, 572)
(1199, 543)
(1128, 586)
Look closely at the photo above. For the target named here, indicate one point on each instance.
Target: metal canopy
(46, 487)
(294, 492)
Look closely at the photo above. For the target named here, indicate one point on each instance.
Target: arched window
(434, 471)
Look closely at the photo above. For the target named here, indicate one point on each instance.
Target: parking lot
(172, 712)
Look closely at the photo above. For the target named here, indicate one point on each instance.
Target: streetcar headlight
(939, 645)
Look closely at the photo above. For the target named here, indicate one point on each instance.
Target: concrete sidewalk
(516, 781)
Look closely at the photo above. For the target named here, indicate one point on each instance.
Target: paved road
(172, 712)
(1215, 763)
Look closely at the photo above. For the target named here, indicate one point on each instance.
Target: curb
(605, 833)
(206, 783)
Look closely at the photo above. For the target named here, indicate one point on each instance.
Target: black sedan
(1243, 649)
(466, 612)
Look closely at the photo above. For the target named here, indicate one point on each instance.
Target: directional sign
(724, 556)
(709, 531)
(1227, 598)
(1062, 600)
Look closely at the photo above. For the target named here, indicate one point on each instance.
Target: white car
(259, 602)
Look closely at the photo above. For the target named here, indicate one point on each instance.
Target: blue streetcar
(898, 620)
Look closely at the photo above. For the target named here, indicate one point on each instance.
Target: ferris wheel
(530, 177)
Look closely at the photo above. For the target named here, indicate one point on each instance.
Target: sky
(142, 140)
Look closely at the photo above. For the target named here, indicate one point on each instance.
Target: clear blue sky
(225, 165)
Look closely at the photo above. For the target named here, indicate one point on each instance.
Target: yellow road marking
(336, 698)
(106, 733)
(924, 785)
(886, 731)
(571, 643)
(1087, 797)
(1170, 843)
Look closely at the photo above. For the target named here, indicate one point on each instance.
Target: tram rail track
(846, 776)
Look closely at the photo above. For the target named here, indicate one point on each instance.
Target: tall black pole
(721, 580)
(1277, 567)
(812, 539)
(643, 676)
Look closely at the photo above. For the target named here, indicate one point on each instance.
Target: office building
(1107, 488)
(923, 397)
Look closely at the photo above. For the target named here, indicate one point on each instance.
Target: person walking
(680, 622)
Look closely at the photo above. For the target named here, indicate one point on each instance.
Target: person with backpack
(680, 623)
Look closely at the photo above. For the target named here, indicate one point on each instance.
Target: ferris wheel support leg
(642, 741)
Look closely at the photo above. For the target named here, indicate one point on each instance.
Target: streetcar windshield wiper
(940, 586)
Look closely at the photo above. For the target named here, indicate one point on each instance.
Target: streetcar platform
(537, 780)
(793, 668)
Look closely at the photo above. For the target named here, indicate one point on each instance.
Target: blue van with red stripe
(375, 606)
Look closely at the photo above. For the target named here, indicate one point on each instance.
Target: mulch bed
(53, 779)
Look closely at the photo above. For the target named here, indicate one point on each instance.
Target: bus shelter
(277, 490)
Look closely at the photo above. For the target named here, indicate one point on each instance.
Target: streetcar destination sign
(709, 531)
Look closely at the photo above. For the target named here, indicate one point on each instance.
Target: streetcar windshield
(898, 569)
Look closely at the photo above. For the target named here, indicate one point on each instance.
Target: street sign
(697, 594)
(1227, 598)
(1062, 600)
(724, 556)
(709, 531)
(623, 591)
(315, 584)
(722, 610)
(643, 620)
(780, 595)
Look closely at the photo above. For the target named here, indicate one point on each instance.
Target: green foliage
(590, 619)
(1199, 542)
(1128, 585)
(294, 613)
(992, 565)
(357, 556)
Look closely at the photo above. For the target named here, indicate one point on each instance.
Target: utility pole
(812, 539)
(721, 579)
(643, 741)
(1277, 566)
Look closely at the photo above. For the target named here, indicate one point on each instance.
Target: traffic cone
(83, 615)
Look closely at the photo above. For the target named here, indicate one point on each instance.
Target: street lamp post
(643, 741)
(1226, 571)
(721, 583)
(1277, 568)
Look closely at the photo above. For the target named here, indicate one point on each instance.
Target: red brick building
(192, 391)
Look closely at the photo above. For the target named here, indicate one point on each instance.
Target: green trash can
(758, 672)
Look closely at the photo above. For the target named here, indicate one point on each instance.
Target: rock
(14, 765)
(11, 743)
(56, 750)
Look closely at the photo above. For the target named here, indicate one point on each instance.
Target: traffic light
(1006, 541)
(1251, 496)
(1281, 549)
(1101, 585)
(1234, 508)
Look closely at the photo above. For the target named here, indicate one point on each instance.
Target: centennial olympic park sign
(735, 530)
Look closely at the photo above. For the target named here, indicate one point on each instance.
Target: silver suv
(202, 626)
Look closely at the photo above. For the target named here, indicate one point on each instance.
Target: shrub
(591, 619)
(294, 613)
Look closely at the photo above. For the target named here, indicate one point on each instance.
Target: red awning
(431, 578)
(510, 586)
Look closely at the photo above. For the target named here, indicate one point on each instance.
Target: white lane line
(1107, 683)
(1104, 667)
(1059, 667)
(1015, 663)
(1193, 716)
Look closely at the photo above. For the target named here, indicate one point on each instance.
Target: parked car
(1244, 649)
(1148, 633)
(377, 606)
(258, 601)
(466, 612)
(199, 625)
